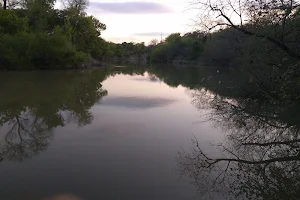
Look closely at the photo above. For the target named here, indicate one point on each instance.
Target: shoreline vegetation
(245, 72)
(264, 51)
(35, 35)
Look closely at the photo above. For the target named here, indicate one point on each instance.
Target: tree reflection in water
(38, 102)
(26, 137)
(260, 158)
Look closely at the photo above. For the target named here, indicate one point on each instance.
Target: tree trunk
(4, 4)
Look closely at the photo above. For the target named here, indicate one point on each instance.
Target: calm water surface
(154, 134)
(112, 137)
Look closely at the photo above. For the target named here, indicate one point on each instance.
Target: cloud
(146, 79)
(152, 34)
(138, 7)
(136, 102)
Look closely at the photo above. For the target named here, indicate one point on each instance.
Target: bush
(10, 23)
(31, 39)
(38, 51)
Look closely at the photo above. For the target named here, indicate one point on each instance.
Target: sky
(142, 20)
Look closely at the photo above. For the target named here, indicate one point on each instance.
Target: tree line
(263, 45)
(35, 35)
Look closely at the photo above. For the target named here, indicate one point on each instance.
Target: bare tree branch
(272, 143)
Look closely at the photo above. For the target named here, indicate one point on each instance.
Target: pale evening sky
(142, 20)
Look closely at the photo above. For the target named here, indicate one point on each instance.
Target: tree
(10, 4)
(98, 25)
(10, 23)
(38, 13)
(48, 4)
(78, 6)
(34, 35)
(252, 14)
(260, 159)
(153, 42)
(31, 121)
(4, 4)
(266, 52)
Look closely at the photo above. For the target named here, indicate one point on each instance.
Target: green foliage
(38, 102)
(178, 48)
(48, 4)
(159, 54)
(10, 23)
(38, 51)
(84, 32)
(40, 37)
(125, 52)
(77, 6)
(98, 25)
(222, 47)
(38, 13)
(98, 48)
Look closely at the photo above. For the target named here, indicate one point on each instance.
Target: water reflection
(261, 157)
(40, 102)
(258, 160)
(63, 197)
(37, 102)
(149, 78)
(27, 135)
(137, 102)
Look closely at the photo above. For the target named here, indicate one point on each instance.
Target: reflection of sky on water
(137, 102)
(125, 153)
(147, 78)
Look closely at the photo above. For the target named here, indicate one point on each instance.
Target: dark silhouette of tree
(51, 101)
(4, 4)
(260, 158)
(276, 14)
(27, 136)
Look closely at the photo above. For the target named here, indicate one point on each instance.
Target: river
(122, 133)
